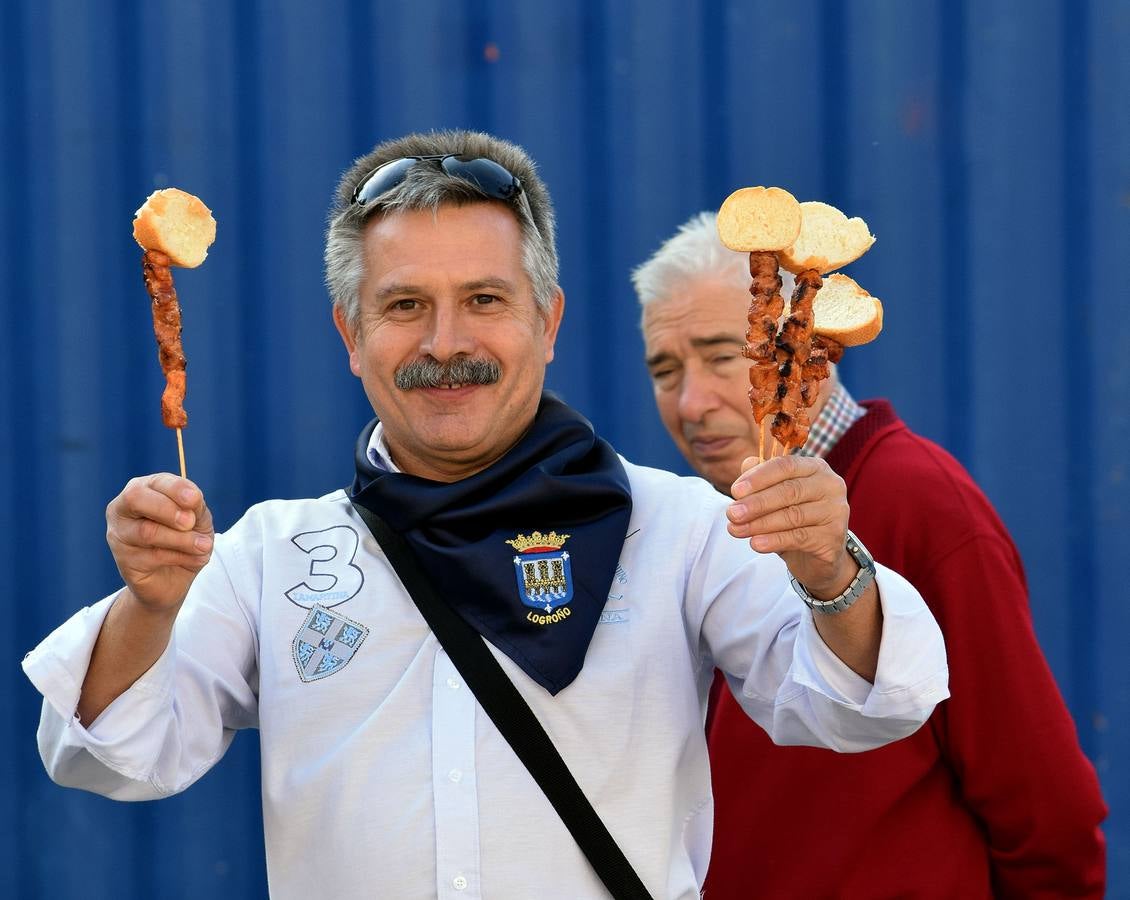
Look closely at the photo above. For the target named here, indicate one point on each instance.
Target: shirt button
(459, 883)
(453, 684)
(455, 775)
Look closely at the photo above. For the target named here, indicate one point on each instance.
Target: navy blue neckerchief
(524, 550)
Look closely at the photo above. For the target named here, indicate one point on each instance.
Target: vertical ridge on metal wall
(1078, 360)
(597, 202)
(19, 542)
(479, 94)
(835, 102)
(364, 90)
(131, 161)
(256, 364)
(716, 98)
(955, 229)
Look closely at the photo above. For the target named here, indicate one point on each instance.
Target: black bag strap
(511, 715)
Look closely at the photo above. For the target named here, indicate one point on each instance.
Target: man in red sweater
(993, 796)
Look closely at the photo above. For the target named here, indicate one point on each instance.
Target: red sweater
(991, 798)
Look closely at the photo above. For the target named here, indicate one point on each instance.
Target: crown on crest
(538, 541)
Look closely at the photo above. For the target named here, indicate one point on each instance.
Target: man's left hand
(796, 507)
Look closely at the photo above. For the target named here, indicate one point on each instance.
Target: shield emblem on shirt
(325, 643)
(545, 577)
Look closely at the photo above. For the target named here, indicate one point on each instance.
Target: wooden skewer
(777, 448)
(180, 452)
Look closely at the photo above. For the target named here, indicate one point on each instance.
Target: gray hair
(694, 251)
(429, 187)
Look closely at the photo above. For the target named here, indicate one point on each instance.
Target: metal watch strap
(853, 592)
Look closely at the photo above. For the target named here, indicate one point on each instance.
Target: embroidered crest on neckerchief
(544, 574)
(325, 643)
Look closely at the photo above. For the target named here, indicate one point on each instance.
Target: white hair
(694, 251)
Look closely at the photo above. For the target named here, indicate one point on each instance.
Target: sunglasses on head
(491, 178)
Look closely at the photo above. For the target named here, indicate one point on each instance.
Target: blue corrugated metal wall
(987, 144)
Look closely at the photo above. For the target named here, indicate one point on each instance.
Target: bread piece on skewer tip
(759, 218)
(828, 239)
(846, 313)
(177, 224)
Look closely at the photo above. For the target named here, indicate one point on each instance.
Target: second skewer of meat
(793, 345)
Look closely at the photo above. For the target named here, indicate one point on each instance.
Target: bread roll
(828, 239)
(176, 224)
(846, 313)
(759, 218)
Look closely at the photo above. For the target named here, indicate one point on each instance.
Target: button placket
(453, 783)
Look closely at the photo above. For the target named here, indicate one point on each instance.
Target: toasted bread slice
(828, 239)
(845, 312)
(176, 224)
(759, 218)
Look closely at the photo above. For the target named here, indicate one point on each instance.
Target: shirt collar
(837, 416)
(378, 451)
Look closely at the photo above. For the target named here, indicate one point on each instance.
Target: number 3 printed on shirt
(333, 578)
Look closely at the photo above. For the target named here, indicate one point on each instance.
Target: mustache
(430, 373)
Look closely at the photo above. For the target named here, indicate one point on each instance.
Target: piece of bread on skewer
(846, 313)
(759, 218)
(177, 224)
(828, 240)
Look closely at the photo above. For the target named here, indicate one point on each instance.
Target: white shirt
(386, 779)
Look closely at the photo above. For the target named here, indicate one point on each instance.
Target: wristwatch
(853, 591)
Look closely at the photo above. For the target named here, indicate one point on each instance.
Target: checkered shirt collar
(838, 415)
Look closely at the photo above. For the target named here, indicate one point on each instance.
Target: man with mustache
(608, 592)
(994, 798)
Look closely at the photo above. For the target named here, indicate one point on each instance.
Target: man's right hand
(160, 532)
